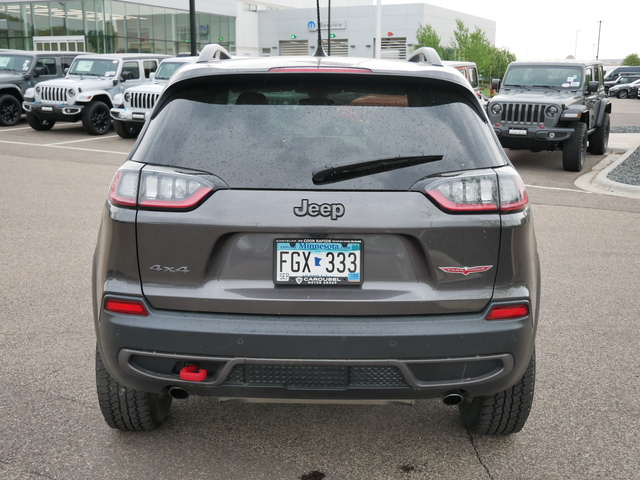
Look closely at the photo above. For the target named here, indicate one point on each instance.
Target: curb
(596, 180)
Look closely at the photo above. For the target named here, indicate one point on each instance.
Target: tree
(427, 37)
(467, 46)
(500, 61)
(631, 60)
(475, 47)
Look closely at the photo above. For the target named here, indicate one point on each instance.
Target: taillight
(125, 306)
(487, 191)
(124, 188)
(508, 312)
(158, 188)
(319, 69)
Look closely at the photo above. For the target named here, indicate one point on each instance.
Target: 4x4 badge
(466, 270)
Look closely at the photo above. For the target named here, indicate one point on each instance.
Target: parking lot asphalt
(585, 423)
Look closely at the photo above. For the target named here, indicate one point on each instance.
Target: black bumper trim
(125, 357)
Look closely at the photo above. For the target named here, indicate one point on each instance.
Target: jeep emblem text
(333, 210)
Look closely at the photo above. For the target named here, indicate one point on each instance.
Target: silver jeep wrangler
(86, 93)
(134, 106)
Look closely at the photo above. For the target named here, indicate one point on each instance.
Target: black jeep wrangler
(552, 106)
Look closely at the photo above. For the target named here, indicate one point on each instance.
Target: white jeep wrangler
(86, 92)
(134, 106)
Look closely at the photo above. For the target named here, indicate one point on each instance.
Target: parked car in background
(620, 80)
(133, 107)
(469, 70)
(86, 93)
(317, 229)
(625, 90)
(614, 72)
(21, 70)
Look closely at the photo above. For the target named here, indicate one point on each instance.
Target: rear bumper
(251, 356)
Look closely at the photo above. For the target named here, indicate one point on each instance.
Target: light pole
(192, 27)
(599, 29)
(575, 52)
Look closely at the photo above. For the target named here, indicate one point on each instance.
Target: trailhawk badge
(466, 270)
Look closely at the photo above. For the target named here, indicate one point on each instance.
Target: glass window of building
(41, 15)
(104, 26)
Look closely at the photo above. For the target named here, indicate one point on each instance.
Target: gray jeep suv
(553, 106)
(317, 228)
(21, 70)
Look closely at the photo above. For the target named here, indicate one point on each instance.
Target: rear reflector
(508, 312)
(125, 306)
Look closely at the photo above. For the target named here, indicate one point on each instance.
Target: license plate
(137, 116)
(47, 109)
(318, 262)
(518, 131)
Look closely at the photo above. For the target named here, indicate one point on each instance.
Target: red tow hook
(192, 373)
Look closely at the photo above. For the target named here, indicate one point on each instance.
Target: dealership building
(278, 27)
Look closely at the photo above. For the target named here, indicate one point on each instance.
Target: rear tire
(599, 140)
(505, 412)
(574, 150)
(126, 130)
(127, 409)
(10, 110)
(96, 118)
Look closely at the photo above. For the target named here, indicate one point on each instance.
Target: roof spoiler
(213, 51)
(426, 55)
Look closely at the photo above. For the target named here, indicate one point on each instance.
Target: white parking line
(58, 127)
(63, 147)
(556, 188)
(82, 140)
(9, 130)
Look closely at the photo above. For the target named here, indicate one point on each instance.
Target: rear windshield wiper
(339, 173)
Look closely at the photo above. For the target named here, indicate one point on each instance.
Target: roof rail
(213, 51)
(426, 55)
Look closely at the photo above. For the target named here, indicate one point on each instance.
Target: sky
(543, 29)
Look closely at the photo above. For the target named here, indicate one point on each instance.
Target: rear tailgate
(220, 257)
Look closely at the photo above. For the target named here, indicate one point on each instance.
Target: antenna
(319, 50)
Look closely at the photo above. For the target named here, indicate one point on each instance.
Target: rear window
(273, 131)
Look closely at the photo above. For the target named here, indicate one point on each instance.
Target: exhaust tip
(178, 393)
(452, 398)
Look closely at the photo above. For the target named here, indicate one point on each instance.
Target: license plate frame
(318, 262)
